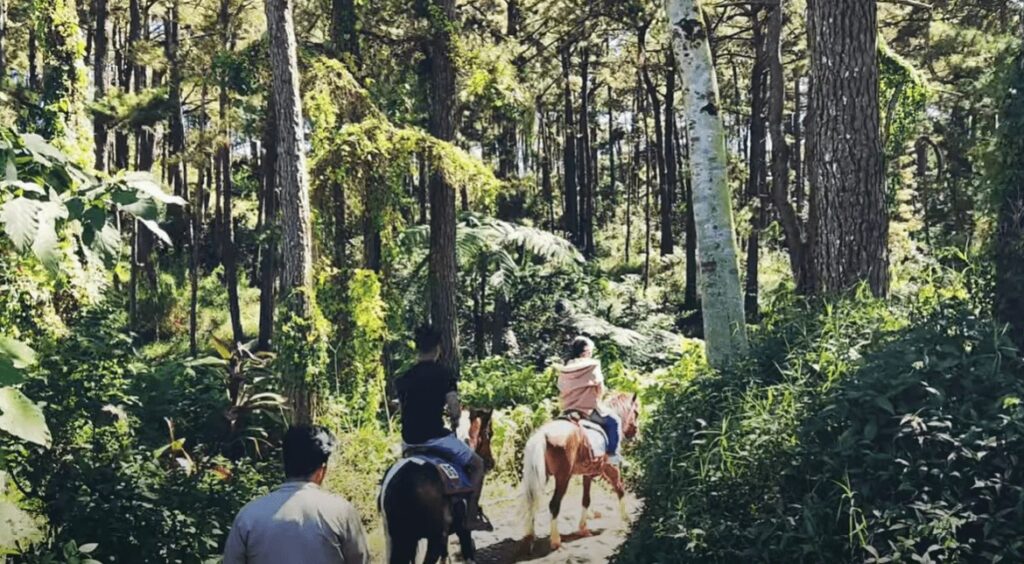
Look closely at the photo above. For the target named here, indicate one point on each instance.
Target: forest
(793, 228)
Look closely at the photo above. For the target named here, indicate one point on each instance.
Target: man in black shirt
(425, 392)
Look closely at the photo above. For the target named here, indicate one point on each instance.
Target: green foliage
(496, 382)
(868, 432)
(361, 375)
(44, 195)
(302, 354)
(64, 78)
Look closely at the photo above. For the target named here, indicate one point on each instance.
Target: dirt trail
(503, 546)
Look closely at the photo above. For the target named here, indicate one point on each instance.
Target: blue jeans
(611, 428)
(449, 447)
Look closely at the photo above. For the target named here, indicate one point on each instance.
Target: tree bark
(99, 78)
(1009, 247)
(344, 34)
(228, 249)
(442, 276)
(725, 331)
(800, 193)
(33, 57)
(586, 173)
(792, 226)
(665, 208)
(297, 237)
(671, 172)
(176, 138)
(570, 215)
(758, 158)
(690, 302)
(849, 225)
(268, 252)
(3, 45)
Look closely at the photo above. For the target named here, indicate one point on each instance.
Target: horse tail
(534, 475)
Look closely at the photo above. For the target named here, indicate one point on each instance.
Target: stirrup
(482, 522)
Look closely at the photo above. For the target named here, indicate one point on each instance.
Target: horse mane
(620, 402)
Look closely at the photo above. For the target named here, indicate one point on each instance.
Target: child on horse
(581, 386)
(425, 392)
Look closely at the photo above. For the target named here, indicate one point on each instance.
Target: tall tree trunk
(690, 302)
(849, 226)
(1009, 239)
(570, 215)
(99, 79)
(611, 149)
(344, 34)
(33, 58)
(671, 170)
(422, 188)
(649, 188)
(788, 216)
(665, 206)
(442, 278)
(586, 172)
(228, 249)
(297, 237)
(758, 164)
(268, 251)
(725, 333)
(3, 44)
(176, 137)
(800, 193)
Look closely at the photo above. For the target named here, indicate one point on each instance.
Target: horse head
(479, 436)
(628, 409)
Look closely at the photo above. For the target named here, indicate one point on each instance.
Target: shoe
(481, 523)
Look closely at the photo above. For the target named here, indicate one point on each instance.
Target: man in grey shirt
(299, 522)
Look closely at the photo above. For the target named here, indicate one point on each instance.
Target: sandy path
(503, 546)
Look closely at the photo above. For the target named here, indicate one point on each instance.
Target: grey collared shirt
(297, 523)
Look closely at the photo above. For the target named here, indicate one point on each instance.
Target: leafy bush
(868, 432)
(496, 382)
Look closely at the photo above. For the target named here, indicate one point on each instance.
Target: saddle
(453, 476)
(594, 432)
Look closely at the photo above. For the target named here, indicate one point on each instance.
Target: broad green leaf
(87, 547)
(206, 361)
(107, 243)
(11, 172)
(95, 216)
(20, 217)
(20, 354)
(22, 418)
(24, 186)
(39, 147)
(17, 527)
(141, 207)
(15, 357)
(46, 245)
(145, 183)
(156, 229)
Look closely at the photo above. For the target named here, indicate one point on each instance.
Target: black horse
(414, 505)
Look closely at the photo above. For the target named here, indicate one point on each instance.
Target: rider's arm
(454, 408)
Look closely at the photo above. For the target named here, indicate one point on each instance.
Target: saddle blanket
(453, 477)
(596, 437)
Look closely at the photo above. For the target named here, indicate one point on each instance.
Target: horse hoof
(555, 546)
(585, 532)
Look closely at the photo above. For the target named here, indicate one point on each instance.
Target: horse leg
(403, 551)
(466, 544)
(612, 474)
(437, 549)
(587, 481)
(561, 485)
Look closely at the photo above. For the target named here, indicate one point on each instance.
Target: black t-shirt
(422, 392)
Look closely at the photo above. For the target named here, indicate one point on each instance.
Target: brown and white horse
(561, 449)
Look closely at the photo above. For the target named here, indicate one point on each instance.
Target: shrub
(868, 432)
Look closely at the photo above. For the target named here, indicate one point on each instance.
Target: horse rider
(581, 386)
(299, 522)
(425, 392)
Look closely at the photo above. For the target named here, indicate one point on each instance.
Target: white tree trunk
(725, 333)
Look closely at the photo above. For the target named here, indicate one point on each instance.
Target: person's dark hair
(306, 449)
(579, 345)
(427, 338)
